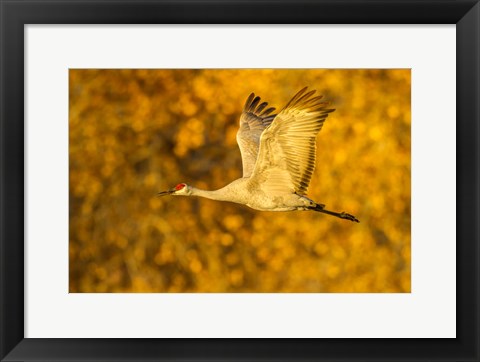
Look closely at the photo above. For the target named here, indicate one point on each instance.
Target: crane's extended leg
(341, 215)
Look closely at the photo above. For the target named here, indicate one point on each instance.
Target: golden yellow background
(134, 133)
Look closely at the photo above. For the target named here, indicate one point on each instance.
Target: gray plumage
(278, 156)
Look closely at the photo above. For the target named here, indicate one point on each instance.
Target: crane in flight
(278, 157)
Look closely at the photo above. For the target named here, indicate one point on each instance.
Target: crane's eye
(179, 187)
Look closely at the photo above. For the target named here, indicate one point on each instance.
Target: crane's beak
(165, 193)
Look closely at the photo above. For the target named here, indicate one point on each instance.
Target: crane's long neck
(220, 194)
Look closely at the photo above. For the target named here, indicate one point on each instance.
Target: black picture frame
(15, 14)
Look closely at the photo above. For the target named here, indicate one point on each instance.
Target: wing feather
(288, 145)
(255, 118)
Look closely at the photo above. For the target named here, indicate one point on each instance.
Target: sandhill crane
(278, 157)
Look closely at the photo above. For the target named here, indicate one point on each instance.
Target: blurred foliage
(134, 133)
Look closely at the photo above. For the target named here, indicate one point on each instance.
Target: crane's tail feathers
(341, 215)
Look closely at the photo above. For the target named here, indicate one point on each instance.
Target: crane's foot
(350, 217)
(341, 215)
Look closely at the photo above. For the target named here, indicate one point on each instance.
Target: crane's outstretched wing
(253, 121)
(286, 157)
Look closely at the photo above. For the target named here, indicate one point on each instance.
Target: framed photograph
(239, 180)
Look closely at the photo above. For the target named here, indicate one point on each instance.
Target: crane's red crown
(179, 187)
